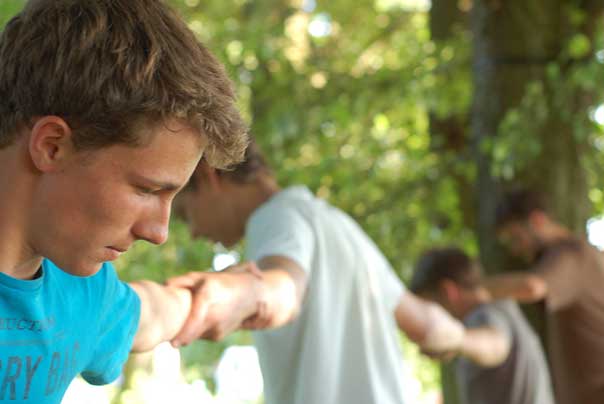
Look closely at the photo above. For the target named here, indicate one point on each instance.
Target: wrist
(444, 333)
(253, 293)
(183, 298)
(464, 348)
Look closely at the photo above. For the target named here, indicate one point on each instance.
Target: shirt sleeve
(118, 317)
(560, 271)
(392, 288)
(490, 316)
(281, 230)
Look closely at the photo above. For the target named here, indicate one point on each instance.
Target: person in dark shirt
(568, 274)
(501, 360)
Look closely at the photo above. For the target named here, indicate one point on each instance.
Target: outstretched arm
(524, 287)
(241, 297)
(284, 287)
(428, 325)
(164, 310)
(485, 346)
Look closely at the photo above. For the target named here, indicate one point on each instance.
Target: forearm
(283, 286)
(485, 346)
(245, 289)
(241, 296)
(164, 310)
(260, 300)
(280, 299)
(523, 287)
(443, 332)
(428, 325)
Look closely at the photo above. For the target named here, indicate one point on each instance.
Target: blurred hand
(258, 321)
(247, 267)
(443, 357)
(221, 301)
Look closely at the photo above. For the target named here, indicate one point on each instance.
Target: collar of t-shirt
(26, 285)
(293, 192)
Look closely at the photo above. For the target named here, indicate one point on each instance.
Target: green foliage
(8, 8)
(346, 113)
(579, 46)
(570, 84)
(516, 144)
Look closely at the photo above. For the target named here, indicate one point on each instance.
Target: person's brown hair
(112, 69)
(517, 205)
(439, 264)
(244, 172)
(248, 169)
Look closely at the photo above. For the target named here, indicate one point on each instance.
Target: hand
(249, 267)
(258, 321)
(221, 301)
(443, 357)
(443, 333)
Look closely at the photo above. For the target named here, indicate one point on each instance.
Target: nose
(153, 226)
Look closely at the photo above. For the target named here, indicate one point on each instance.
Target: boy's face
(454, 297)
(520, 239)
(100, 202)
(209, 212)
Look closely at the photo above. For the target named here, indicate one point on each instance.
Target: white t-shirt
(343, 348)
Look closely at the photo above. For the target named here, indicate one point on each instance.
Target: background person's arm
(428, 325)
(164, 310)
(523, 287)
(485, 346)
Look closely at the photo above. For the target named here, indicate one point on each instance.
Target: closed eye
(147, 190)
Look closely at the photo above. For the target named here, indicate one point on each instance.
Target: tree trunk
(514, 42)
(449, 135)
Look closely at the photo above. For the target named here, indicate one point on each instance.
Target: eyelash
(146, 191)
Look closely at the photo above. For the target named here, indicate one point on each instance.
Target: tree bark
(449, 135)
(514, 42)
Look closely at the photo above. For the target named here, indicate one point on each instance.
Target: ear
(537, 219)
(50, 143)
(450, 290)
(210, 176)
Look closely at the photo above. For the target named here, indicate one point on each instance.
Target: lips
(114, 253)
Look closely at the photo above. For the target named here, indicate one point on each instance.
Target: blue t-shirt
(57, 326)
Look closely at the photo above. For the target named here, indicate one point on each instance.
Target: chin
(83, 269)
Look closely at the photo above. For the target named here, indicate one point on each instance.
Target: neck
(255, 195)
(479, 297)
(17, 257)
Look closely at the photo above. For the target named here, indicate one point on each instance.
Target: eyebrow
(160, 185)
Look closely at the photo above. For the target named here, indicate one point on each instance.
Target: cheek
(526, 242)
(518, 245)
(68, 227)
(103, 208)
(203, 209)
(190, 215)
(187, 206)
(201, 218)
(67, 202)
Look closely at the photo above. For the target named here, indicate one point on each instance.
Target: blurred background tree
(411, 115)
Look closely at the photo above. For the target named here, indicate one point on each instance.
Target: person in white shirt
(328, 301)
